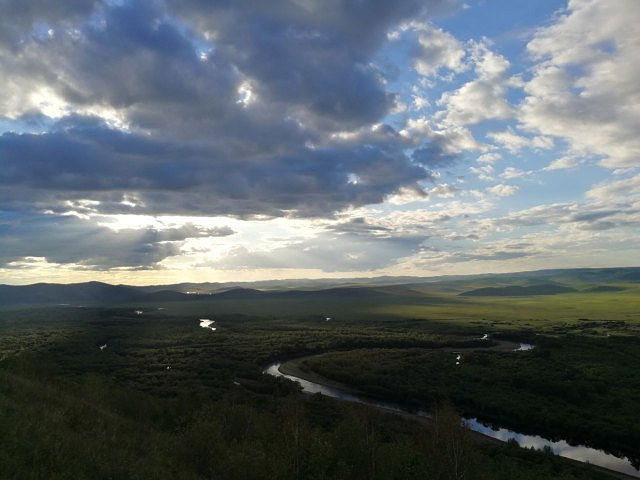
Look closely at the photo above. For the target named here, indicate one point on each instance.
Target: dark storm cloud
(359, 226)
(314, 54)
(19, 17)
(74, 240)
(592, 216)
(91, 161)
(192, 144)
(433, 156)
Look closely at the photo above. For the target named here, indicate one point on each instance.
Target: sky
(150, 141)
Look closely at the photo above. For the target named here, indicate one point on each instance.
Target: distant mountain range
(96, 293)
(54, 293)
(542, 282)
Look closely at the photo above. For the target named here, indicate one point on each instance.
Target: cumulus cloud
(511, 141)
(585, 86)
(490, 158)
(90, 160)
(451, 140)
(484, 173)
(563, 163)
(407, 195)
(512, 172)
(438, 50)
(483, 98)
(443, 190)
(305, 113)
(210, 108)
(611, 189)
(82, 242)
(502, 190)
(623, 213)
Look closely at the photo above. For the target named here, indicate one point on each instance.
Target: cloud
(502, 190)
(407, 195)
(293, 117)
(623, 213)
(204, 108)
(608, 190)
(490, 158)
(484, 173)
(89, 160)
(313, 56)
(20, 18)
(81, 242)
(513, 142)
(360, 226)
(512, 172)
(352, 246)
(451, 140)
(585, 87)
(438, 50)
(497, 255)
(443, 190)
(563, 163)
(480, 99)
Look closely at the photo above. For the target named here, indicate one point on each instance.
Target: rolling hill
(517, 290)
(53, 293)
(542, 282)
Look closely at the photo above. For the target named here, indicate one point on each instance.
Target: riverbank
(292, 368)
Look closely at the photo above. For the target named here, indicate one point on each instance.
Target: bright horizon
(149, 142)
(355, 279)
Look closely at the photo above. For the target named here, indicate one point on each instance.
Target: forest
(142, 391)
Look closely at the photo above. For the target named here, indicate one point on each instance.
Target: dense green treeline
(91, 429)
(168, 399)
(585, 390)
(140, 348)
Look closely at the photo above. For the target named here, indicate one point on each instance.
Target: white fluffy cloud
(512, 172)
(511, 141)
(607, 190)
(438, 50)
(482, 98)
(453, 139)
(484, 172)
(502, 190)
(491, 157)
(563, 163)
(585, 86)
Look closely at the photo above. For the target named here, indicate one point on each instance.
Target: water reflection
(312, 387)
(206, 323)
(562, 448)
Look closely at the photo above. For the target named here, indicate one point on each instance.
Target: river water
(580, 453)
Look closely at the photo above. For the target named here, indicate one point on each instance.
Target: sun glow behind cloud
(149, 142)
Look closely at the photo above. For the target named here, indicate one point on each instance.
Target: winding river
(579, 453)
